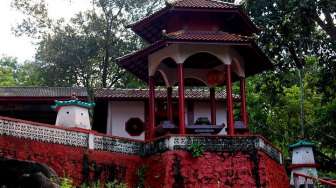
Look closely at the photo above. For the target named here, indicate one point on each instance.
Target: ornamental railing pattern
(43, 133)
(49, 134)
(120, 145)
(213, 144)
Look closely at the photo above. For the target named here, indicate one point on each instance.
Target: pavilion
(196, 43)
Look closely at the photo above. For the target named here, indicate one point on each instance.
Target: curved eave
(137, 62)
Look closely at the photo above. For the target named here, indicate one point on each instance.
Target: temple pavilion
(196, 43)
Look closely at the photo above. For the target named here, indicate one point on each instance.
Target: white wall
(119, 112)
(303, 155)
(73, 116)
(202, 109)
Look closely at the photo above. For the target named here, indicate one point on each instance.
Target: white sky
(23, 47)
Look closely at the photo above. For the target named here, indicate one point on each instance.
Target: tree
(14, 74)
(7, 68)
(82, 52)
(296, 44)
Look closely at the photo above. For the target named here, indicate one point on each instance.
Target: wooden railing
(313, 180)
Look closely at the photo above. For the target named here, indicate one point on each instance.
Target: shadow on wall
(25, 174)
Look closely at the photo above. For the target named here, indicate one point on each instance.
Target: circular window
(134, 126)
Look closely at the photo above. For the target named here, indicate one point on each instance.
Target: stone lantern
(303, 162)
(73, 113)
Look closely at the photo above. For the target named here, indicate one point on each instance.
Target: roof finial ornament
(74, 96)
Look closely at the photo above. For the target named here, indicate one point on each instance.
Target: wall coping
(96, 141)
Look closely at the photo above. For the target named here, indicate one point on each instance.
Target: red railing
(314, 179)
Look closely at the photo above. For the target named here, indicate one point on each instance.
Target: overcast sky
(22, 47)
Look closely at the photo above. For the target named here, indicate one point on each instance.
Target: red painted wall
(170, 169)
(213, 170)
(68, 161)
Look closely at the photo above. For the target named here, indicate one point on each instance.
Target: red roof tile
(150, 27)
(207, 36)
(42, 91)
(202, 4)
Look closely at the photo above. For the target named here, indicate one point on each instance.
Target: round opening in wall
(135, 126)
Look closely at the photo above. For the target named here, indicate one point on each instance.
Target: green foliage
(291, 38)
(141, 173)
(14, 74)
(116, 184)
(66, 183)
(196, 149)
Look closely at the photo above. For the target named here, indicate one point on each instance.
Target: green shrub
(196, 149)
(66, 183)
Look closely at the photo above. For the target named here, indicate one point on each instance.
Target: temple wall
(119, 112)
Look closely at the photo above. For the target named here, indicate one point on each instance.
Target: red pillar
(213, 105)
(169, 104)
(151, 103)
(180, 75)
(243, 111)
(229, 101)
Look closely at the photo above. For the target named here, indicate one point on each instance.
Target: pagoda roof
(74, 102)
(150, 28)
(137, 62)
(302, 143)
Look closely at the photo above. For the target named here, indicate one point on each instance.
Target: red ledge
(294, 166)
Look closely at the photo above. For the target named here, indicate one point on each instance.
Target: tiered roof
(150, 28)
(196, 22)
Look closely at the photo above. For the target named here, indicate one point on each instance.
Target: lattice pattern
(111, 144)
(117, 145)
(215, 144)
(44, 134)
